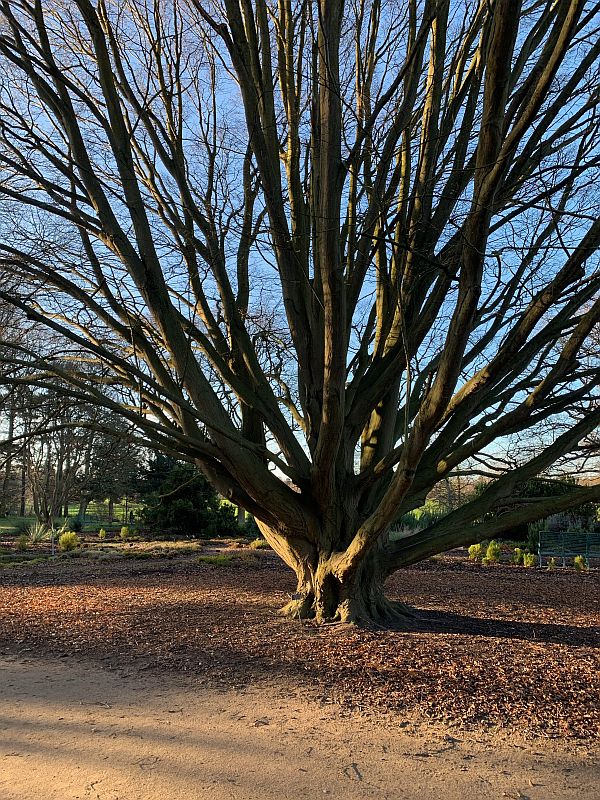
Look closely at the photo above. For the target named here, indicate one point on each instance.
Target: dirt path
(71, 730)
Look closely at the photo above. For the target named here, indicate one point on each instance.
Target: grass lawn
(12, 526)
(95, 518)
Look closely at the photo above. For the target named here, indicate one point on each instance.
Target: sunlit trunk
(323, 595)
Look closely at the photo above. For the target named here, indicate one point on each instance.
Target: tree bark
(326, 596)
(358, 600)
(23, 500)
(6, 499)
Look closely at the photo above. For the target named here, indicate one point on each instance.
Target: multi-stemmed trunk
(356, 598)
(327, 593)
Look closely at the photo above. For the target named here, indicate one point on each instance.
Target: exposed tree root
(380, 614)
(300, 607)
(384, 614)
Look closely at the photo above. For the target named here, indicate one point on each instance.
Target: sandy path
(69, 729)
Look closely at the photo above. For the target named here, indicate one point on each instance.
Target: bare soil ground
(164, 677)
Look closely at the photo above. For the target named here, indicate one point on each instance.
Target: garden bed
(493, 646)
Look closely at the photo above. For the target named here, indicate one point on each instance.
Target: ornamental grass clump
(37, 533)
(580, 564)
(259, 544)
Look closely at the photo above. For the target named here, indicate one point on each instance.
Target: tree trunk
(6, 499)
(359, 600)
(23, 501)
(322, 595)
(241, 516)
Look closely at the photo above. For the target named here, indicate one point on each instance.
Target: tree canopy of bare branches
(329, 251)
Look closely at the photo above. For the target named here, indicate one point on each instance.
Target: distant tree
(12, 401)
(329, 252)
(7, 487)
(451, 492)
(179, 499)
(111, 465)
(56, 449)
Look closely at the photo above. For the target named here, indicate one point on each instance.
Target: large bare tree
(329, 251)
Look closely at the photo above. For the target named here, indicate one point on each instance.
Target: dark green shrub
(419, 519)
(250, 529)
(533, 534)
(182, 502)
(74, 524)
(220, 521)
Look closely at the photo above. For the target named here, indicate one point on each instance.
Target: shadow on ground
(444, 622)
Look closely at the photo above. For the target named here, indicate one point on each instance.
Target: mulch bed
(496, 646)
